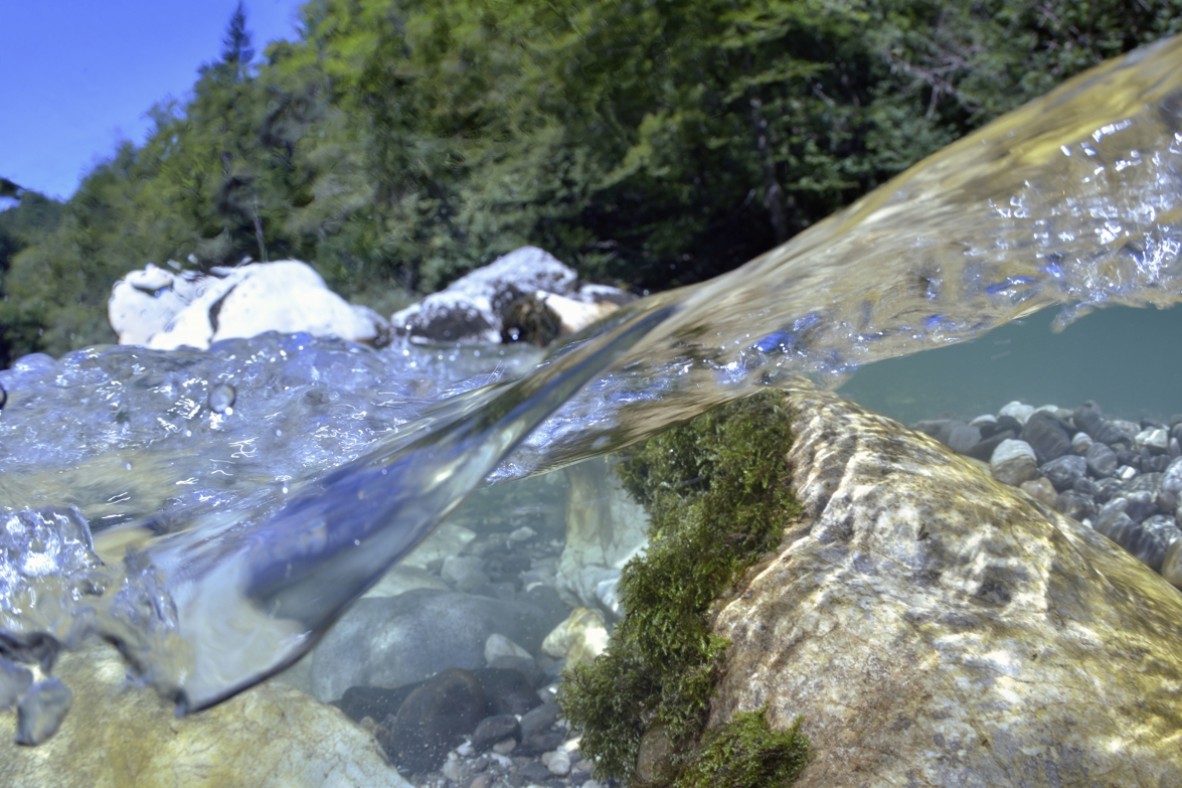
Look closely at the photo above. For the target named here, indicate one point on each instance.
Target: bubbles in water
(221, 397)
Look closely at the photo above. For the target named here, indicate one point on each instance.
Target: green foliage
(747, 753)
(717, 494)
(400, 143)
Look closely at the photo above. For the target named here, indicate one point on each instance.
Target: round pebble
(1013, 462)
(1123, 478)
(558, 763)
(1019, 411)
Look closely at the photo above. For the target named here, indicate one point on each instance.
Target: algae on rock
(718, 493)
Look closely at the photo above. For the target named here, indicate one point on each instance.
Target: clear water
(255, 490)
(1123, 359)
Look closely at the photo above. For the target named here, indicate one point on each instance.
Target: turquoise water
(1126, 360)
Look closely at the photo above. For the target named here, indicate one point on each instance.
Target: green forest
(397, 144)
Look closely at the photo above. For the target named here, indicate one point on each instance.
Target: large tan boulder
(931, 626)
(116, 735)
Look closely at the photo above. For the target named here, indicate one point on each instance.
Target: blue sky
(77, 76)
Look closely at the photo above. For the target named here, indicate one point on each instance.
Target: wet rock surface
(119, 735)
(483, 710)
(1120, 478)
(931, 625)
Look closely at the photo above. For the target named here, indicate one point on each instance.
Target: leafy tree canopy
(399, 143)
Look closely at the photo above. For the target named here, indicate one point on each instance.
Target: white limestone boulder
(502, 300)
(166, 311)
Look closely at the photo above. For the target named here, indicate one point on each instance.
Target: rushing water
(255, 490)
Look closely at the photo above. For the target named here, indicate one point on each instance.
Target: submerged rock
(393, 641)
(116, 736)
(433, 719)
(928, 625)
(1014, 462)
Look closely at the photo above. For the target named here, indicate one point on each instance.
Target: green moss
(718, 496)
(747, 753)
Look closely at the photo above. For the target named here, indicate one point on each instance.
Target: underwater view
(285, 522)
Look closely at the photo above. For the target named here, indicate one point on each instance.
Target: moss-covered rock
(718, 495)
(931, 626)
(747, 753)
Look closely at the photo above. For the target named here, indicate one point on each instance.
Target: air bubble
(221, 397)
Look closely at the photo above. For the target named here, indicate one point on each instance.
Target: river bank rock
(929, 625)
(162, 310)
(525, 295)
(119, 735)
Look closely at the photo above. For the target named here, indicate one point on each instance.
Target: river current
(213, 512)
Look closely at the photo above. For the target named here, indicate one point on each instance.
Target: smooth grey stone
(1090, 419)
(963, 437)
(1064, 471)
(1081, 442)
(1155, 463)
(393, 641)
(1142, 504)
(433, 719)
(536, 772)
(1144, 482)
(1008, 423)
(494, 729)
(1076, 504)
(526, 666)
(464, 573)
(377, 703)
(1155, 439)
(1013, 462)
(507, 691)
(1019, 411)
(939, 429)
(1147, 541)
(1048, 436)
(41, 710)
(14, 680)
(1106, 489)
(1112, 519)
(1128, 457)
(540, 719)
(1101, 459)
(1171, 486)
(983, 451)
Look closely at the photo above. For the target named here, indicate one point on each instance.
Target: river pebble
(1122, 478)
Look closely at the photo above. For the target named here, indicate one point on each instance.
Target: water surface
(263, 485)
